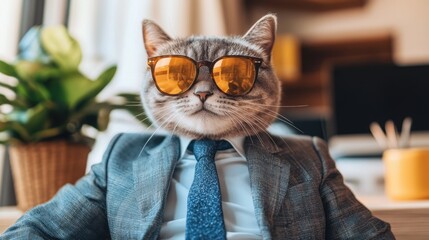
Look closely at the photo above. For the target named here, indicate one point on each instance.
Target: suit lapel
(152, 174)
(269, 179)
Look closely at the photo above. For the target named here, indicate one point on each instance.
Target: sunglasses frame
(152, 61)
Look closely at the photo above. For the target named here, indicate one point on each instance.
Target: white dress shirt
(237, 203)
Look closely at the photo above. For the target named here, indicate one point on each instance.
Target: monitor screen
(377, 93)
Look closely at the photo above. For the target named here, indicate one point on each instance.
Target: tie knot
(207, 147)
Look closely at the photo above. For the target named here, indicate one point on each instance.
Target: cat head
(215, 115)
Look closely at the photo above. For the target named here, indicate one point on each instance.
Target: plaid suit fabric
(297, 192)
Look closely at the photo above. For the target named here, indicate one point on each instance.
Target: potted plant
(43, 111)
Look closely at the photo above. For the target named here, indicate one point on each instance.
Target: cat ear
(153, 36)
(263, 33)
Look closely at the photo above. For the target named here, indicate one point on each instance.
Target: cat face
(215, 115)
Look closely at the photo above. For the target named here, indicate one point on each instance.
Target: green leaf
(51, 94)
(4, 99)
(15, 103)
(76, 90)
(134, 106)
(7, 86)
(27, 70)
(100, 83)
(37, 118)
(35, 71)
(3, 126)
(48, 73)
(87, 115)
(30, 94)
(62, 47)
(71, 89)
(96, 115)
(7, 69)
(48, 133)
(4, 135)
(30, 86)
(19, 131)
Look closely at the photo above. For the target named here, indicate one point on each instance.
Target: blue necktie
(204, 218)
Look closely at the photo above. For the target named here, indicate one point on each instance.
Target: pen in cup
(390, 138)
(404, 140)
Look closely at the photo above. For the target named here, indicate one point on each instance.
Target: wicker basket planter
(40, 169)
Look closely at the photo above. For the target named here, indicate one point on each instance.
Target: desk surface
(8, 216)
(409, 219)
(381, 202)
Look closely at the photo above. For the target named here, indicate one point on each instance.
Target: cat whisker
(278, 117)
(143, 112)
(136, 104)
(255, 99)
(177, 124)
(239, 123)
(266, 131)
(261, 123)
(252, 127)
(156, 130)
(283, 140)
(252, 101)
(140, 114)
(264, 111)
(274, 113)
(263, 128)
(146, 118)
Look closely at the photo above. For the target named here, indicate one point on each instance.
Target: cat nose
(203, 95)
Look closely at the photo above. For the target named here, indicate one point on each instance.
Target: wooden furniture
(8, 216)
(310, 5)
(318, 56)
(408, 219)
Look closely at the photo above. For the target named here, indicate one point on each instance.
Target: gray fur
(223, 116)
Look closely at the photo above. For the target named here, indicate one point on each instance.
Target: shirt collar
(236, 142)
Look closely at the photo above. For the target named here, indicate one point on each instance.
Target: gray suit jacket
(297, 192)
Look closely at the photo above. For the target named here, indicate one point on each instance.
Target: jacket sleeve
(346, 217)
(75, 212)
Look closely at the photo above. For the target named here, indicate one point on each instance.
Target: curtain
(55, 12)
(109, 31)
(10, 15)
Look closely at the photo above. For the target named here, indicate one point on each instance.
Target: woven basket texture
(41, 169)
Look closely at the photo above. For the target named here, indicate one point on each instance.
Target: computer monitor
(377, 93)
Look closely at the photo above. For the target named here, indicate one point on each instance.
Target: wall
(408, 20)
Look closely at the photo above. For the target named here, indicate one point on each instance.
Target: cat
(279, 187)
(220, 116)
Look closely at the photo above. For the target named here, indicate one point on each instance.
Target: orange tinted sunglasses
(233, 75)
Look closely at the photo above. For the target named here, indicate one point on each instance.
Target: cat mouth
(203, 110)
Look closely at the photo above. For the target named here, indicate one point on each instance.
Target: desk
(409, 220)
(8, 216)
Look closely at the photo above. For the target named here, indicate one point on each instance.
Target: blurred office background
(316, 41)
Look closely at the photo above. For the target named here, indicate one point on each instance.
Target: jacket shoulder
(302, 146)
(130, 147)
(305, 154)
(135, 142)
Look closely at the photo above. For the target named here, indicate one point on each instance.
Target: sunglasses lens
(174, 75)
(234, 75)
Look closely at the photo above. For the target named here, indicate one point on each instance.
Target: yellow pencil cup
(407, 173)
